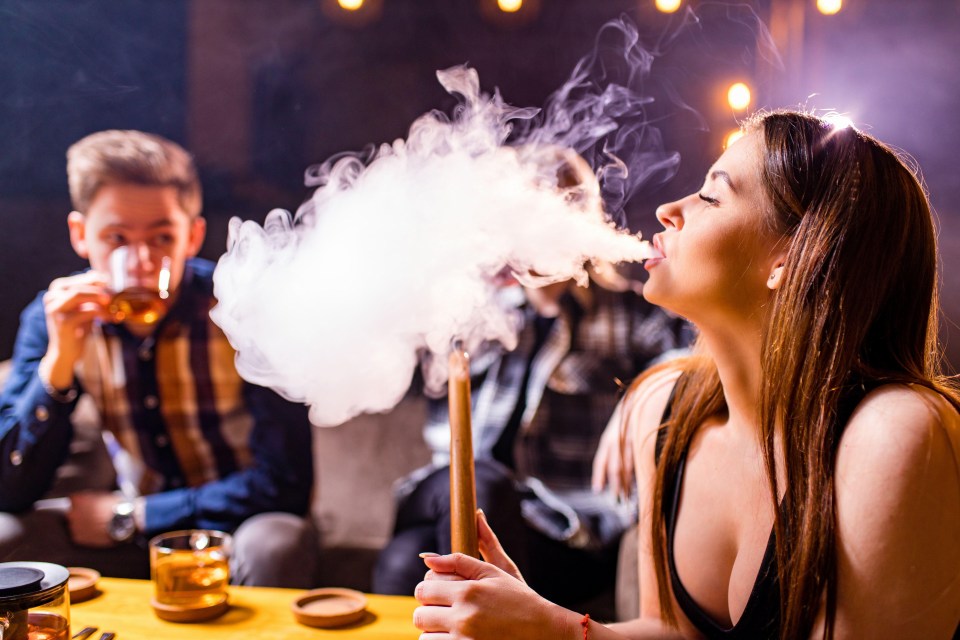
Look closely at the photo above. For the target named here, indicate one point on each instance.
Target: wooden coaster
(331, 607)
(180, 613)
(82, 583)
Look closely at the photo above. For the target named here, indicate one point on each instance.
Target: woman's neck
(735, 348)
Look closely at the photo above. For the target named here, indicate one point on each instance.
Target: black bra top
(761, 616)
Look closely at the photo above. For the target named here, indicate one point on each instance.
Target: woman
(800, 476)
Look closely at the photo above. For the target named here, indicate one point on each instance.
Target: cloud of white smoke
(393, 257)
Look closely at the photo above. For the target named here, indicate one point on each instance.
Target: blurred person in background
(546, 450)
(193, 445)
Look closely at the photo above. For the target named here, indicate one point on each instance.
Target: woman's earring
(773, 282)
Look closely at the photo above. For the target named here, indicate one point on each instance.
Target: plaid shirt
(598, 343)
(215, 449)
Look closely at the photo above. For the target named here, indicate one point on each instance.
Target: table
(123, 606)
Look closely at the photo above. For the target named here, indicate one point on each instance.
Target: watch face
(122, 527)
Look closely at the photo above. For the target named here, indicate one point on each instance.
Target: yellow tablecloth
(256, 613)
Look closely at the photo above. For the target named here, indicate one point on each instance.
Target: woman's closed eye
(709, 200)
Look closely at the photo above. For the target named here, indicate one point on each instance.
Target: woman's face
(719, 252)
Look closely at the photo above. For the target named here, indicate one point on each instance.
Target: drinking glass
(138, 297)
(190, 569)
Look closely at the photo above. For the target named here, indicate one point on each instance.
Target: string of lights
(741, 93)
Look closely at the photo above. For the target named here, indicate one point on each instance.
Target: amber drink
(47, 626)
(141, 288)
(137, 304)
(190, 568)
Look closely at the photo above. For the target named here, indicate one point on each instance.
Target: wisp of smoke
(394, 255)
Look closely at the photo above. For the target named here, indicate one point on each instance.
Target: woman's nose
(670, 215)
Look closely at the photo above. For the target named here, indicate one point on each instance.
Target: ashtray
(329, 607)
(180, 613)
(82, 583)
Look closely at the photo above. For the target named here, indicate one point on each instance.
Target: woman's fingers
(491, 549)
(436, 575)
(460, 564)
(437, 592)
(433, 619)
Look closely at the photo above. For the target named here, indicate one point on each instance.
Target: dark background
(259, 90)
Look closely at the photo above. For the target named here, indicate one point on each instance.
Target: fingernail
(482, 514)
(429, 554)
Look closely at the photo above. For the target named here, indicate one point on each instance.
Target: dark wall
(261, 90)
(68, 68)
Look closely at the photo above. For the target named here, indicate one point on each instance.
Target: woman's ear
(776, 276)
(77, 227)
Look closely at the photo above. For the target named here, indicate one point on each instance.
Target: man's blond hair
(131, 157)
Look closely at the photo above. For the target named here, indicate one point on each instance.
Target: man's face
(147, 219)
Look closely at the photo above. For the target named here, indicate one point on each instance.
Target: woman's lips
(653, 261)
(658, 244)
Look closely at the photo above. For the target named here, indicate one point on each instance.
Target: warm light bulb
(350, 5)
(668, 6)
(732, 137)
(829, 7)
(509, 6)
(738, 96)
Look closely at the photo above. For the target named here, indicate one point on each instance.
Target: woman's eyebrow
(723, 175)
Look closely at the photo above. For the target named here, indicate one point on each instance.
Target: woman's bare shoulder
(901, 442)
(898, 515)
(647, 401)
(897, 424)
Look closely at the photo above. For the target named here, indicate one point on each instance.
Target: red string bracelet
(585, 623)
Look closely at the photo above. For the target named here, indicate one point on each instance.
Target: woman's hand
(492, 551)
(462, 597)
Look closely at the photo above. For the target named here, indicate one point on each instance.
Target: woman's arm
(644, 407)
(646, 412)
(898, 510)
(462, 597)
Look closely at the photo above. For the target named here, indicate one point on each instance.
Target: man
(540, 412)
(194, 445)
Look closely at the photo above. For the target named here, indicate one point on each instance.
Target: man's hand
(71, 305)
(89, 518)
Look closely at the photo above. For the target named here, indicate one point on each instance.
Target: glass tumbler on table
(190, 570)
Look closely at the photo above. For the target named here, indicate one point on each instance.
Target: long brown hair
(857, 307)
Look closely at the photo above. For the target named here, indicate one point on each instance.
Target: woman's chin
(656, 292)
(653, 296)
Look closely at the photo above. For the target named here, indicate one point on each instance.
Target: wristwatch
(122, 525)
